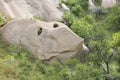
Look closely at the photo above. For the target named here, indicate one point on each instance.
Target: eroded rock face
(4, 8)
(45, 9)
(56, 2)
(47, 41)
(64, 7)
(108, 3)
(12, 10)
(91, 5)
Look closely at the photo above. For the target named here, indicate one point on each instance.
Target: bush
(83, 27)
(116, 39)
(3, 19)
(114, 17)
(77, 7)
(85, 72)
(68, 19)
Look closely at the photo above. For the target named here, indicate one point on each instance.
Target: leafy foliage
(18, 64)
(114, 17)
(116, 39)
(68, 19)
(83, 27)
(77, 7)
(3, 19)
(72, 3)
(99, 35)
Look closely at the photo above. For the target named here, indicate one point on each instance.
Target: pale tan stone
(91, 5)
(47, 41)
(108, 3)
(44, 9)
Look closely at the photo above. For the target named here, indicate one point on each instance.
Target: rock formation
(64, 7)
(108, 3)
(4, 8)
(47, 41)
(56, 2)
(91, 4)
(45, 9)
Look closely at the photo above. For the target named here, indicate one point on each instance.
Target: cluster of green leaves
(72, 3)
(77, 7)
(83, 27)
(114, 17)
(116, 39)
(68, 19)
(3, 19)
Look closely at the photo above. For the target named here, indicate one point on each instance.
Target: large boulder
(47, 41)
(108, 3)
(45, 9)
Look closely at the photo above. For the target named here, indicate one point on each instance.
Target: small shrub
(68, 19)
(83, 27)
(116, 39)
(114, 17)
(3, 19)
(77, 7)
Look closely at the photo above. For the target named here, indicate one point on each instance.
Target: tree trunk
(107, 66)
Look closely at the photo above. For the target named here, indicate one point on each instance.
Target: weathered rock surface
(4, 8)
(64, 7)
(45, 9)
(56, 2)
(47, 41)
(11, 9)
(108, 3)
(91, 5)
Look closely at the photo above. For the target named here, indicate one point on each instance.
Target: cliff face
(45, 9)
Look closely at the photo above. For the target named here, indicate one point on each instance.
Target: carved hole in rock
(39, 31)
(55, 25)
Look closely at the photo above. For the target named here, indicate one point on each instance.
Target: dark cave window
(55, 25)
(39, 31)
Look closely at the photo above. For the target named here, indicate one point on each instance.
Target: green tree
(68, 19)
(84, 27)
(72, 65)
(116, 39)
(77, 7)
(114, 17)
